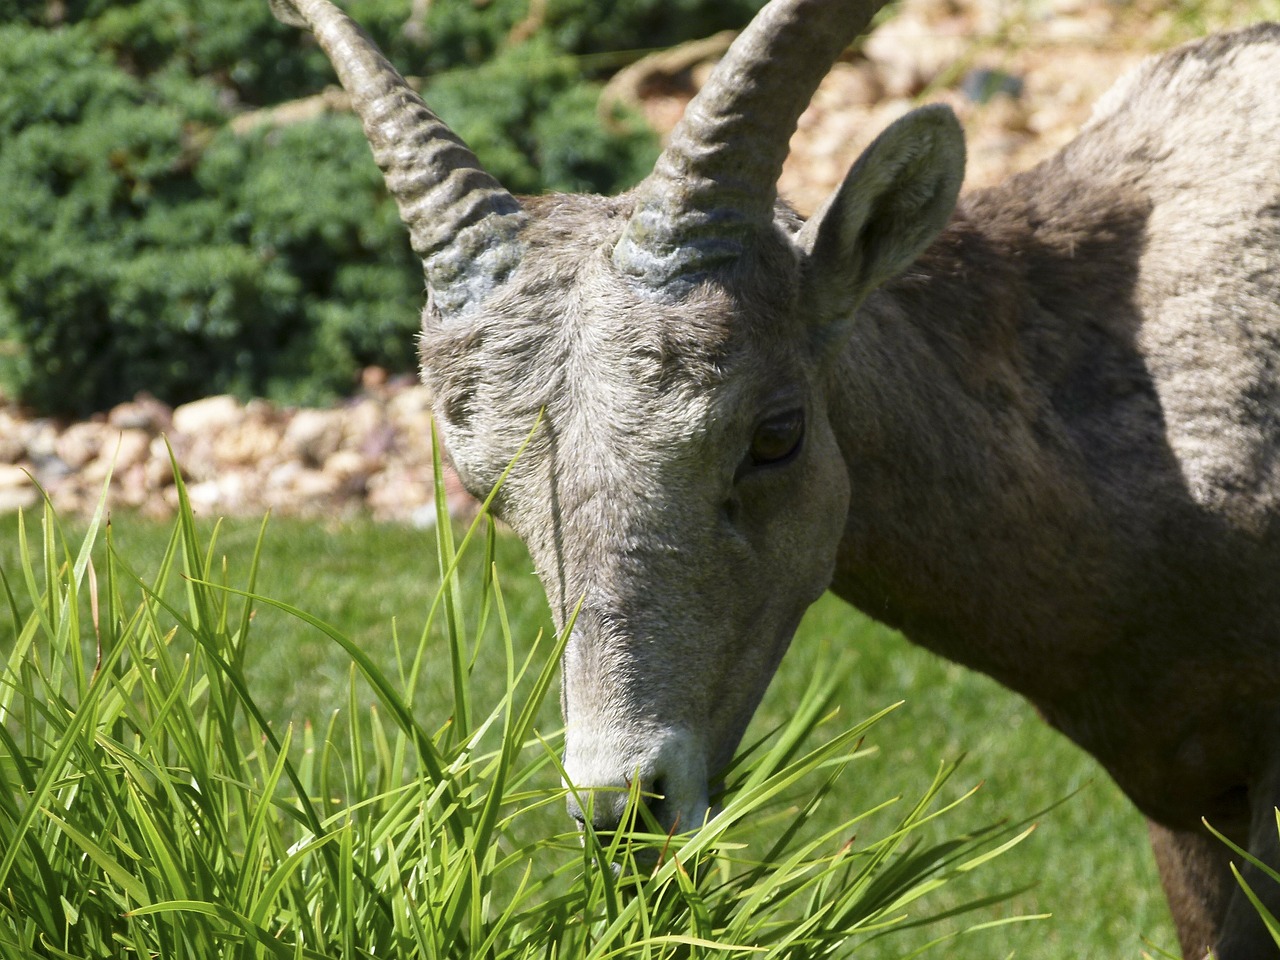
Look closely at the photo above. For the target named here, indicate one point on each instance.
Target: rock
(131, 447)
(409, 417)
(256, 437)
(373, 379)
(313, 435)
(13, 476)
(361, 420)
(79, 444)
(207, 417)
(912, 50)
(158, 468)
(857, 84)
(143, 412)
(117, 451)
(17, 489)
(282, 475)
(75, 500)
(314, 485)
(300, 488)
(229, 493)
(351, 470)
(398, 491)
(984, 84)
(12, 446)
(409, 405)
(203, 494)
(18, 498)
(1080, 25)
(39, 439)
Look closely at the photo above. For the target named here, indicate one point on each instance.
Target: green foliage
(147, 246)
(542, 131)
(576, 24)
(474, 32)
(148, 806)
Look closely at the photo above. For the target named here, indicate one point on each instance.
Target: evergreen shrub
(146, 245)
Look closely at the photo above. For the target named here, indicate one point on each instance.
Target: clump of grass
(149, 808)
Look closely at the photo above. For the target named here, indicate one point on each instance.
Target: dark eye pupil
(777, 438)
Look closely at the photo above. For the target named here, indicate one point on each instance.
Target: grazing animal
(1037, 429)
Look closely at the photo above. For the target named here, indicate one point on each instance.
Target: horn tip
(287, 13)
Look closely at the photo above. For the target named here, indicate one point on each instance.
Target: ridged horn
(714, 186)
(462, 223)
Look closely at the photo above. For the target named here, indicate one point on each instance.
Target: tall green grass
(150, 806)
(1088, 863)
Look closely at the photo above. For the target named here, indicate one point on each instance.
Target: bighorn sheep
(1037, 429)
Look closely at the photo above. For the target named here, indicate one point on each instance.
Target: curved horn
(714, 186)
(462, 223)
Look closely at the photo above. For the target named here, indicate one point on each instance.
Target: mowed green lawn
(1088, 864)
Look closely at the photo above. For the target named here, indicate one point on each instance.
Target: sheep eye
(777, 438)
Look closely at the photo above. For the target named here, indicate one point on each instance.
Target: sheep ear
(893, 202)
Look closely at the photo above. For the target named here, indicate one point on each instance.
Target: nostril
(658, 789)
(606, 809)
(602, 807)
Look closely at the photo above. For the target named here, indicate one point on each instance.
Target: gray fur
(1042, 438)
